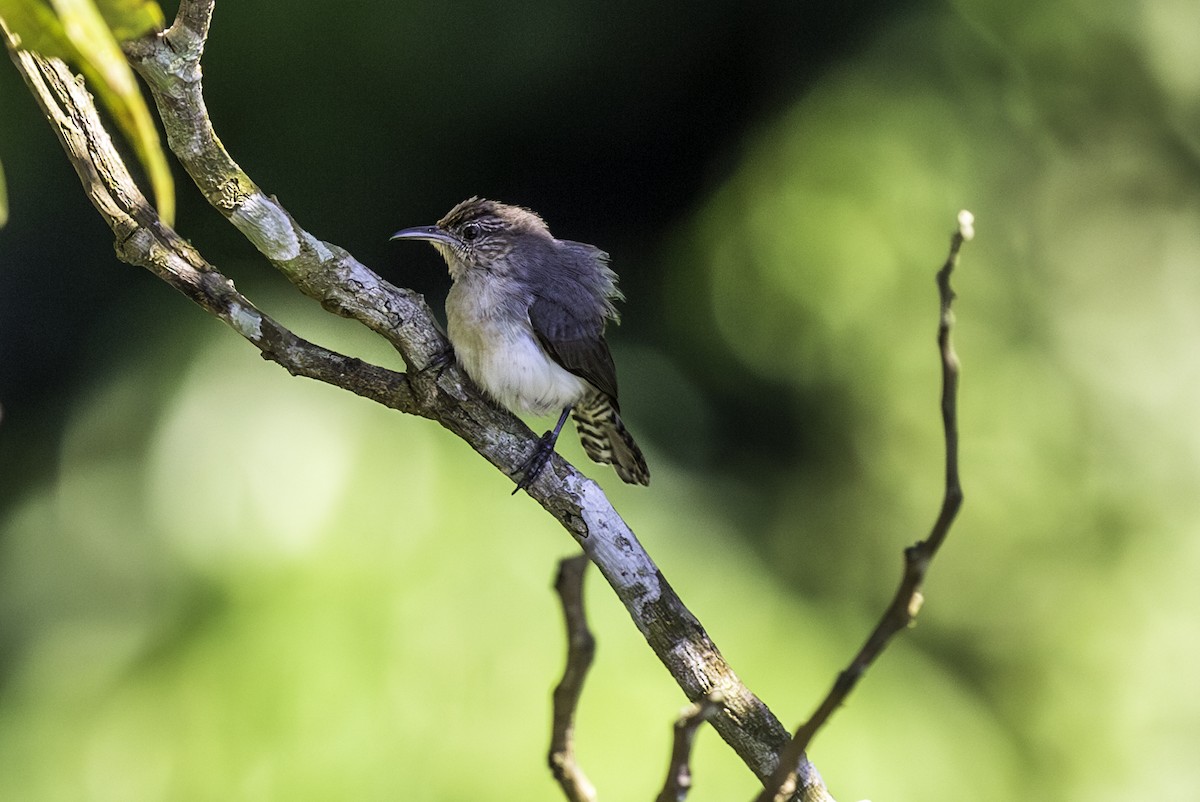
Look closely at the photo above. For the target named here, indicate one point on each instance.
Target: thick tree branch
(581, 647)
(905, 605)
(170, 65)
(141, 239)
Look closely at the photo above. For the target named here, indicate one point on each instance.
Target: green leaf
(34, 26)
(129, 19)
(85, 35)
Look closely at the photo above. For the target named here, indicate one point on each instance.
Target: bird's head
(479, 234)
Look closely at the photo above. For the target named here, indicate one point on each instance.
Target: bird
(526, 316)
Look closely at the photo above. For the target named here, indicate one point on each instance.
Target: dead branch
(581, 647)
(170, 65)
(905, 605)
(679, 772)
(142, 239)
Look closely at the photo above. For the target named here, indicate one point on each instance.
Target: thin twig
(905, 605)
(581, 647)
(679, 772)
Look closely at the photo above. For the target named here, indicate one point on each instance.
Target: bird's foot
(533, 467)
(439, 362)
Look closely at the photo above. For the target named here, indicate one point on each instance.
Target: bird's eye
(470, 232)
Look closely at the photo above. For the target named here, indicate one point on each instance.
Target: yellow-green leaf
(129, 19)
(79, 32)
(34, 26)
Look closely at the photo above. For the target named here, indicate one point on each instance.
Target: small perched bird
(526, 317)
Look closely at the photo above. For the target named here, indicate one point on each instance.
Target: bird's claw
(533, 467)
(439, 362)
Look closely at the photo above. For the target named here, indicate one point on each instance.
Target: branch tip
(966, 225)
(902, 612)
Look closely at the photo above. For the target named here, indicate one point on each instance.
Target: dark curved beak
(427, 233)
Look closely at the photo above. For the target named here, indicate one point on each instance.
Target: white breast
(501, 354)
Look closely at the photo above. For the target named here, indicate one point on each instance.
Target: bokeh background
(220, 582)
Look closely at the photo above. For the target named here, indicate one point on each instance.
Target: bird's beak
(427, 233)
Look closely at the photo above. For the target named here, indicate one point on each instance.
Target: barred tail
(605, 438)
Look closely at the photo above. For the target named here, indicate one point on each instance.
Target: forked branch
(169, 63)
(142, 239)
(581, 648)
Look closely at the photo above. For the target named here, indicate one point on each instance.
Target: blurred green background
(220, 582)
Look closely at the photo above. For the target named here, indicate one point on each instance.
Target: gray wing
(570, 326)
(573, 291)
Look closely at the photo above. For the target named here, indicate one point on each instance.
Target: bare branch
(581, 647)
(195, 16)
(679, 772)
(142, 239)
(170, 65)
(905, 605)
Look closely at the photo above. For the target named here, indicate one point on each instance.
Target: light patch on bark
(267, 227)
(247, 322)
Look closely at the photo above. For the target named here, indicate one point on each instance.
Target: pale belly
(507, 362)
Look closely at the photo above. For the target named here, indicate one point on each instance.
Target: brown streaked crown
(492, 216)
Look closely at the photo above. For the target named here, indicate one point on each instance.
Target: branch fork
(169, 64)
